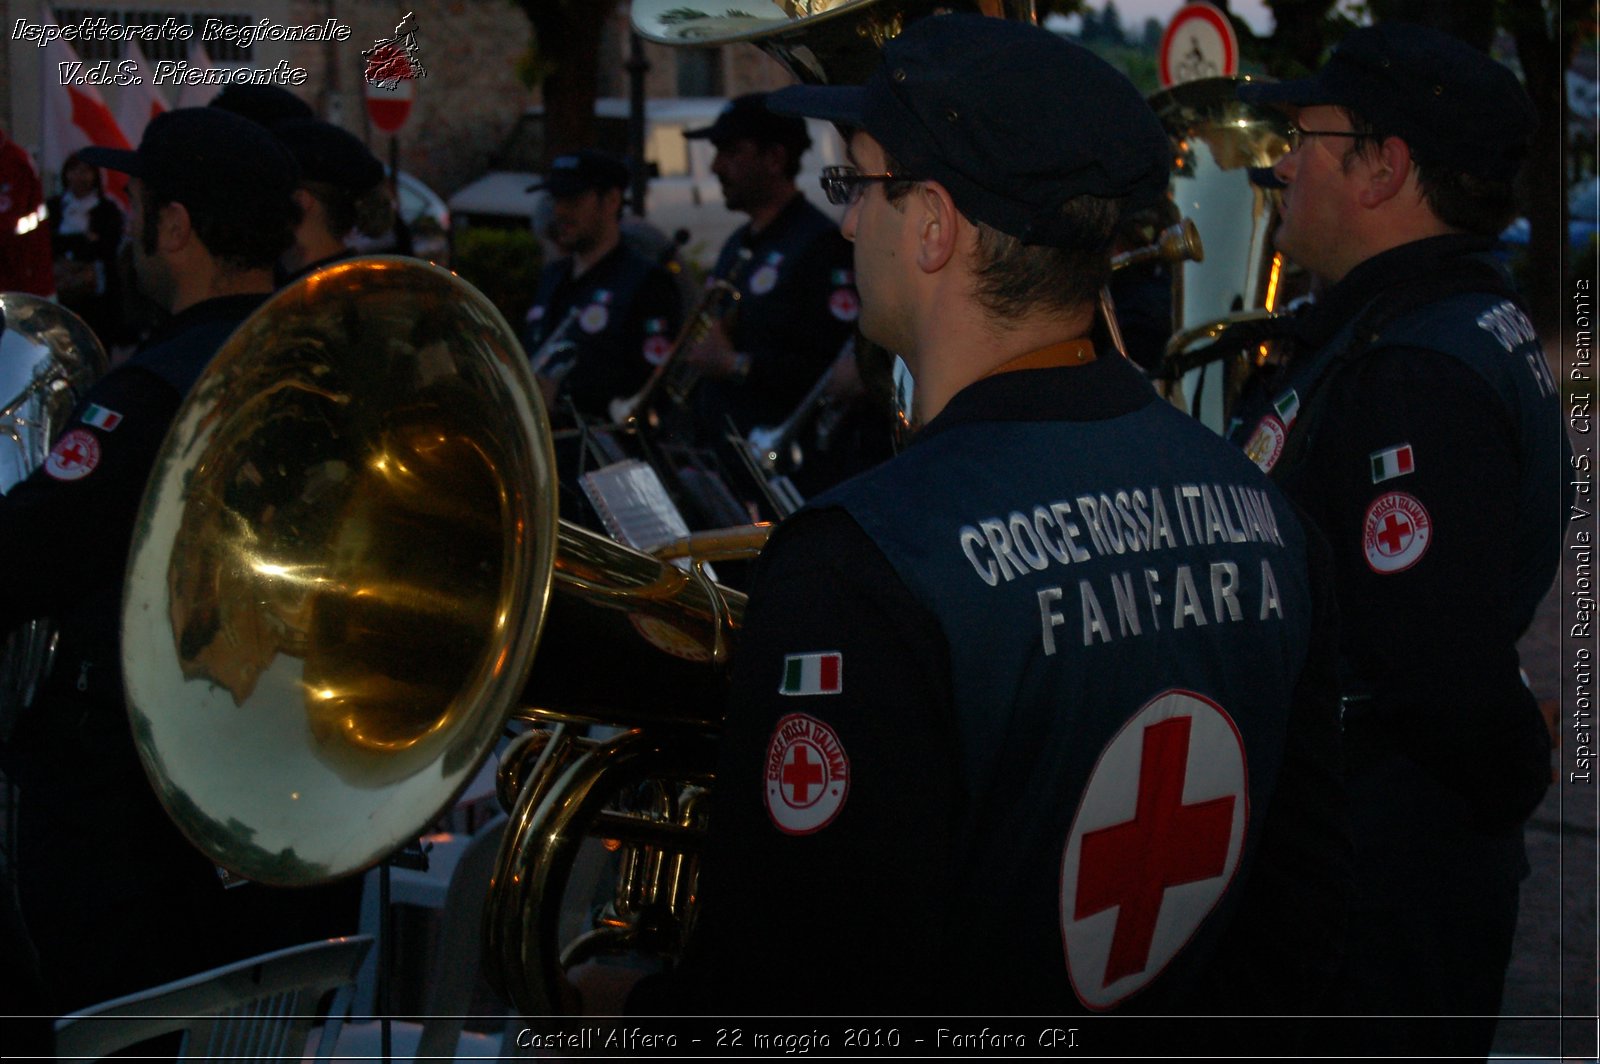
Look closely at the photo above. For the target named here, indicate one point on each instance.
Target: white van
(684, 196)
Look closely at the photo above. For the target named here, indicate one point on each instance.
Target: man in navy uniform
(603, 317)
(1419, 427)
(115, 898)
(798, 302)
(1035, 717)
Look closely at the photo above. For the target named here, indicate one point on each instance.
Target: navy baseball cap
(583, 170)
(1011, 118)
(748, 118)
(204, 156)
(329, 154)
(1451, 103)
(266, 104)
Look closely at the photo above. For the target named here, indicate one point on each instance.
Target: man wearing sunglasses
(1419, 427)
(1031, 718)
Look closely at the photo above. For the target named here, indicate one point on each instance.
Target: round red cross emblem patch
(1153, 846)
(808, 775)
(844, 305)
(1396, 532)
(656, 349)
(74, 456)
(1266, 444)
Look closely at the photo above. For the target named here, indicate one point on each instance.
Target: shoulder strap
(1456, 277)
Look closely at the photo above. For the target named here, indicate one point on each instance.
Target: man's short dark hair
(1014, 278)
(1463, 201)
(238, 239)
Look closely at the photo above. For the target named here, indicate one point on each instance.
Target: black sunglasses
(843, 185)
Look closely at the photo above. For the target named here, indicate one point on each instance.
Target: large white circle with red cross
(74, 456)
(1396, 532)
(1153, 846)
(807, 775)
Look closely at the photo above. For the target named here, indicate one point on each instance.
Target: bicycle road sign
(1199, 43)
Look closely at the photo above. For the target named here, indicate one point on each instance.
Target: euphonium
(1217, 139)
(48, 359)
(348, 573)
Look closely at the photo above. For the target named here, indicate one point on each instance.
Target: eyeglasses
(1297, 135)
(843, 185)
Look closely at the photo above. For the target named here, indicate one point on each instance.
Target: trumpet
(554, 344)
(721, 295)
(767, 443)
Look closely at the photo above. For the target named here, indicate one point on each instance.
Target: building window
(700, 72)
(222, 53)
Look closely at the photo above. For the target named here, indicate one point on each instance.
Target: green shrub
(503, 264)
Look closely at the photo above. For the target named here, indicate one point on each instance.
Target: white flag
(75, 116)
(138, 104)
(193, 95)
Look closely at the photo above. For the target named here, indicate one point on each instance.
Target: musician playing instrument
(603, 316)
(1418, 424)
(1038, 716)
(115, 898)
(798, 300)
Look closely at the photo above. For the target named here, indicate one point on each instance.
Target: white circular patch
(656, 349)
(808, 775)
(844, 305)
(764, 279)
(1266, 444)
(1154, 845)
(594, 318)
(74, 456)
(1396, 532)
(536, 312)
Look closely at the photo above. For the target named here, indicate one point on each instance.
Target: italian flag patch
(1395, 462)
(1288, 407)
(813, 674)
(101, 418)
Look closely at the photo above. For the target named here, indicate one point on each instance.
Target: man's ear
(1387, 171)
(174, 230)
(938, 224)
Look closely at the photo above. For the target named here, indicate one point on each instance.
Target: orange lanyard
(1066, 353)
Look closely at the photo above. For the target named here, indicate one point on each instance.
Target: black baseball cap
(329, 154)
(1011, 118)
(1450, 102)
(266, 104)
(748, 118)
(208, 157)
(583, 170)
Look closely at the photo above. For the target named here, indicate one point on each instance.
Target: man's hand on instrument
(713, 354)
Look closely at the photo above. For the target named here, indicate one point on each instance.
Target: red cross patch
(1154, 845)
(844, 304)
(74, 456)
(807, 775)
(1266, 444)
(656, 349)
(1396, 532)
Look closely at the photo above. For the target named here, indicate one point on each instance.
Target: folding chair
(262, 1008)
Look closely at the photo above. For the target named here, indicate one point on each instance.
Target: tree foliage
(564, 61)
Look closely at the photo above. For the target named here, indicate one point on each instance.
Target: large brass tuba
(348, 570)
(1217, 140)
(48, 359)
